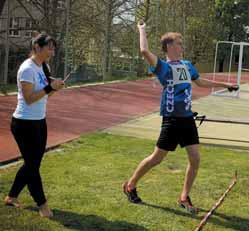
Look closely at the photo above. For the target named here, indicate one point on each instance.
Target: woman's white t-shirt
(31, 73)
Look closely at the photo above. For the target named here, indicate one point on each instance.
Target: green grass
(5, 89)
(83, 179)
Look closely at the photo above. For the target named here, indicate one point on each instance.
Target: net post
(215, 60)
(240, 66)
(230, 63)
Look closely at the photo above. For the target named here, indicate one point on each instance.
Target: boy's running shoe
(131, 194)
(187, 204)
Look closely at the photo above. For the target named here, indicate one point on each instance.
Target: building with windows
(17, 21)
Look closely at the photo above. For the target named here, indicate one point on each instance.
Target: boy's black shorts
(177, 130)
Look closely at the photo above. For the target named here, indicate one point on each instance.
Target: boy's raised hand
(141, 24)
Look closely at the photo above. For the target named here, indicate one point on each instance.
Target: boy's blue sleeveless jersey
(176, 78)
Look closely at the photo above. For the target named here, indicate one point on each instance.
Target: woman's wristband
(48, 89)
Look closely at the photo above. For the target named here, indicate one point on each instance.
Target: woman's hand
(57, 84)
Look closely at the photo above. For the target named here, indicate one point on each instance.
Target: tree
(189, 17)
(232, 21)
(48, 16)
(199, 32)
(105, 22)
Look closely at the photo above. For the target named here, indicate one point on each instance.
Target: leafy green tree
(232, 24)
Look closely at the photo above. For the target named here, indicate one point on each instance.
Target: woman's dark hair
(46, 71)
(42, 40)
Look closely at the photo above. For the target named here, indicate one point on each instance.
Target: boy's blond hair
(169, 38)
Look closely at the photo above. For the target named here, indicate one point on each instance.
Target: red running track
(75, 111)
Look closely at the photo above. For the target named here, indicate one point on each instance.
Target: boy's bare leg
(145, 165)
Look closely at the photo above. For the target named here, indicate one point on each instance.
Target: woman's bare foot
(45, 211)
(12, 201)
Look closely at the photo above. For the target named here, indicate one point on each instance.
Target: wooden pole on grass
(217, 204)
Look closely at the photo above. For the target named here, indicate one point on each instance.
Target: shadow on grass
(232, 222)
(81, 222)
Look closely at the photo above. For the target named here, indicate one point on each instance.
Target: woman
(28, 124)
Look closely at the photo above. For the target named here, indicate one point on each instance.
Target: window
(14, 26)
(28, 28)
(61, 4)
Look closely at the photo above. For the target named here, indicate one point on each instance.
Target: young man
(178, 125)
